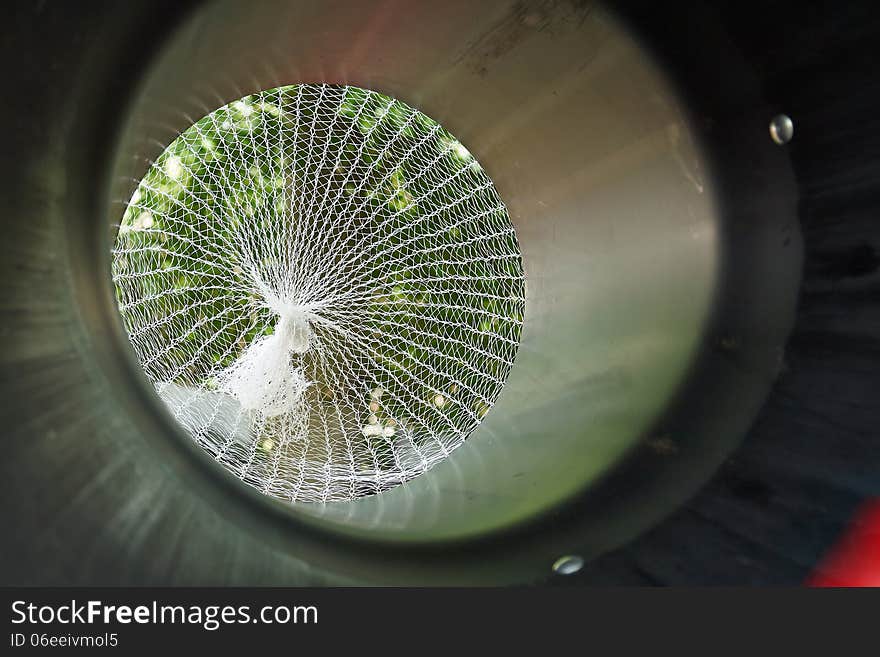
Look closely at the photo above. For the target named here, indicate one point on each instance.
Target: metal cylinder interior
(656, 261)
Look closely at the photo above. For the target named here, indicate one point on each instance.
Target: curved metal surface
(656, 220)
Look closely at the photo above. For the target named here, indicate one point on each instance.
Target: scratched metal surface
(657, 222)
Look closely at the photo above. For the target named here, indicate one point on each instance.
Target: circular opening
(324, 287)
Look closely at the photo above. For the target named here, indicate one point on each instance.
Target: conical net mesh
(324, 287)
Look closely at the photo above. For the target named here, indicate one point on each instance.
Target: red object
(855, 559)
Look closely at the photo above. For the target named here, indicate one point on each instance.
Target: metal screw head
(568, 564)
(781, 129)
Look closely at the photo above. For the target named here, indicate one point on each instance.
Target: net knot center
(293, 328)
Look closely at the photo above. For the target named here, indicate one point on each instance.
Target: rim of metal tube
(581, 525)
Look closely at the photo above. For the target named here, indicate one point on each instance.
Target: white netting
(324, 287)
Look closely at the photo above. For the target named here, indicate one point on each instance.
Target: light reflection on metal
(781, 129)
